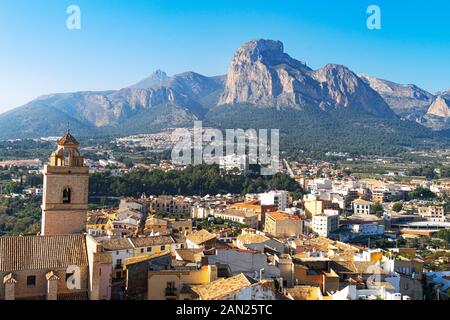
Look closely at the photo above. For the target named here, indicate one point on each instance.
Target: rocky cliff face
(408, 100)
(440, 107)
(438, 115)
(262, 74)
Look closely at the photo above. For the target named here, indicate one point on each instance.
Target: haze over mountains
(261, 78)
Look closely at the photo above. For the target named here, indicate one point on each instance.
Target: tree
(421, 193)
(378, 210)
(397, 207)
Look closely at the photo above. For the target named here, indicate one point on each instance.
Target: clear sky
(121, 42)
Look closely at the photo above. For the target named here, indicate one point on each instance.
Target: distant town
(342, 228)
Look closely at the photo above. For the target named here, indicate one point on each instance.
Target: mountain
(331, 108)
(157, 78)
(108, 111)
(438, 115)
(440, 107)
(262, 74)
(408, 100)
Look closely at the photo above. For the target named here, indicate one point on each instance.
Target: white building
(324, 224)
(433, 213)
(276, 198)
(361, 206)
(247, 218)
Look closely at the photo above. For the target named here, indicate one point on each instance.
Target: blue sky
(121, 42)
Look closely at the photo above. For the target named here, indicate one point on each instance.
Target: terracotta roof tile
(218, 289)
(200, 237)
(42, 252)
(152, 241)
(68, 139)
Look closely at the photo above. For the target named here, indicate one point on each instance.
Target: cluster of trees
(24, 181)
(431, 171)
(20, 216)
(377, 209)
(426, 171)
(26, 149)
(422, 194)
(198, 180)
(444, 235)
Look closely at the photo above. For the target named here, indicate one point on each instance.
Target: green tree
(422, 193)
(397, 207)
(377, 209)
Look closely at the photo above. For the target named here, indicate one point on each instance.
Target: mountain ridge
(261, 76)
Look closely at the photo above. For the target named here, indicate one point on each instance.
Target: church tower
(66, 184)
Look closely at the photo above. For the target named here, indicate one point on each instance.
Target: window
(142, 250)
(171, 285)
(66, 195)
(69, 276)
(163, 248)
(31, 281)
(149, 249)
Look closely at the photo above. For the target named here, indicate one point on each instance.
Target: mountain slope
(100, 110)
(314, 132)
(407, 101)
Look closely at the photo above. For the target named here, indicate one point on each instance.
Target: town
(317, 230)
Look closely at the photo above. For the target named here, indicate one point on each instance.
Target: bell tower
(66, 184)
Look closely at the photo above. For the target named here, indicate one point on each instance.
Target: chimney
(52, 285)
(10, 286)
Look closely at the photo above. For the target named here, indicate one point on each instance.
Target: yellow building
(314, 206)
(279, 224)
(175, 284)
(98, 225)
(152, 245)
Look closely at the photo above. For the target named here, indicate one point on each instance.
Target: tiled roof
(252, 238)
(362, 201)
(68, 139)
(42, 252)
(200, 237)
(221, 288)
(190, 255)
(283, 216)
(355, 267)
(239, 213)
(304, 293)
(152, 241)
(116, 244)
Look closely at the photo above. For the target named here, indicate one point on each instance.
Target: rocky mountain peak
(440, 107)
(268, 52)
(157, 78)
(262, 74)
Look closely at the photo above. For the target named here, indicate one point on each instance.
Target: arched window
(66, 195)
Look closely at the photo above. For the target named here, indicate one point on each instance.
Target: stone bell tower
(66, 183)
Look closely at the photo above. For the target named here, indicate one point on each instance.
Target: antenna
(68, 127)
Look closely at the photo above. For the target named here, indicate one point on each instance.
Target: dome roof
(68, 139)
